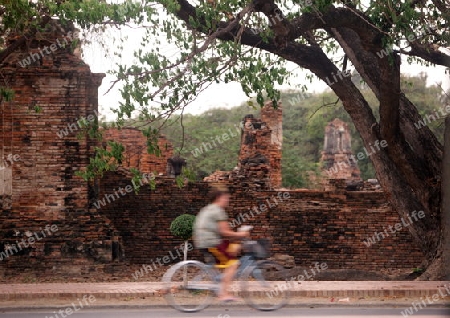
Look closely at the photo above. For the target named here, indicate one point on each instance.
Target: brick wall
(135, 154)
(310, 225)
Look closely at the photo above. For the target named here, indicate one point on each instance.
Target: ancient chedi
(337, 158)
(259, 161)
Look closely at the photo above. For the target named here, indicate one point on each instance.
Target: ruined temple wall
(41, 126)
(43, 183)
(310, 225)
(135, 154)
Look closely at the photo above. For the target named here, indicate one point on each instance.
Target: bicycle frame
(245, 261)
(208, 277)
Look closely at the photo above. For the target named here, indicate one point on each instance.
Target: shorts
(223, 254)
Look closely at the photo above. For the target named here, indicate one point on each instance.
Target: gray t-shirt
(206, 229)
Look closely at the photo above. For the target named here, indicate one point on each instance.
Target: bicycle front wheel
(189, 286)
(265, 286)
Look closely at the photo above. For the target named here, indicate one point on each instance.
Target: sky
(217, 95)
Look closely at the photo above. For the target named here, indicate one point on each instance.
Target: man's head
(219, 195)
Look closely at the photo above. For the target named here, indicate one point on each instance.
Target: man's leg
(227, 279)
(224, 257)
(234, 249)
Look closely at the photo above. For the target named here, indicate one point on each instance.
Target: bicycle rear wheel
(265, 286)
(189, 286)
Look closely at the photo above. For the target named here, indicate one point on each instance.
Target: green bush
(182, 226)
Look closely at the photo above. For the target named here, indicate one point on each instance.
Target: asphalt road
(233, 313)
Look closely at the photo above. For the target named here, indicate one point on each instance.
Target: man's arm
(226, 231)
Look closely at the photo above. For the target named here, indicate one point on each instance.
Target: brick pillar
(273, 117)
(337, 156)
(260, 152)
(42, 125)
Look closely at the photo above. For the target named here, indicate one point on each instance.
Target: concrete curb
(372, 304)
(325, 289)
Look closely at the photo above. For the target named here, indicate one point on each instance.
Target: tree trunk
(410, 173)
(439, 269)
(399, 187)
(445, 231)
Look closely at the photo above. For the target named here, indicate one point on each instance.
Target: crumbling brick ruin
(259, 160)
(337, 156)
(136, 154)
(41, 125)
(39, 187)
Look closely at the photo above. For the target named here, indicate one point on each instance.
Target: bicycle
(189, 286)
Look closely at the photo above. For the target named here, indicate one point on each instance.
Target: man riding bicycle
(213, 235)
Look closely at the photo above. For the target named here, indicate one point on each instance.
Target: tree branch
(429, 53)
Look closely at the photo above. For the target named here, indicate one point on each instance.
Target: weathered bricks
(313, 226)
(259, 161)
(41, 125)
(135, 154)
